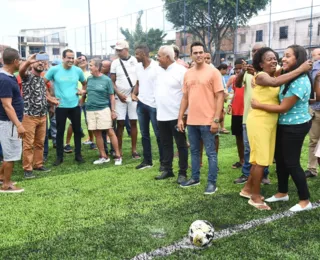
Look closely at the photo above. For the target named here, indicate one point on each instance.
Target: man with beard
(65, 78)
(35, 96)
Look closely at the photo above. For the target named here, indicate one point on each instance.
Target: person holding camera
(168, 93)
(35, 96)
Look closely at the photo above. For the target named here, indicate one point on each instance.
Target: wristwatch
(216, 120)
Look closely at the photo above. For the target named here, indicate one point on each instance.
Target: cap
(122, 45)
(56, 62)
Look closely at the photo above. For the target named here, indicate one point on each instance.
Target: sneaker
(265, 181)
(143, 165)
(181, 179)
(136, 156)
(309, 174)
(236, 165)
(67, 148)
(93, 146)
(12, 189)
(211, 188)
(29, 175)
(102, 160)
(241, 180)
(118, 161)
(190, 183)
(87, 142)
(79, 159)
(164, 175)
(161, 168)
(58, 162)
(42, 169)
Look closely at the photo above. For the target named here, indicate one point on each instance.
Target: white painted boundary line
(185, 243)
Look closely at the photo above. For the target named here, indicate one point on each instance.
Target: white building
(283, 33)
(50, 40)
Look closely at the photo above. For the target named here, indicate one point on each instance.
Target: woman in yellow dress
(262, 125)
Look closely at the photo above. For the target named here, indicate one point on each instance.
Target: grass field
(107, 212)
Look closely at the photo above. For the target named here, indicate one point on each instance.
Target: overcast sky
(25, 14)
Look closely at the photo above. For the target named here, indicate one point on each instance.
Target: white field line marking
(185, 243)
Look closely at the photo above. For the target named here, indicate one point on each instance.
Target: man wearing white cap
(124, 78)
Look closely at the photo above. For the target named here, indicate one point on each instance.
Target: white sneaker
(274, 199)
(102, 160)
(118, 161)
(87, 142)
(297, 207)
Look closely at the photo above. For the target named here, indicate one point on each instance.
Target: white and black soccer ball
(201, 233)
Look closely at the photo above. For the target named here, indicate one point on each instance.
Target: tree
(216, 19)
(153, 38)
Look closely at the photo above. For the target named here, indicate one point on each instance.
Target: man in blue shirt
(11, 114)
(65, 78)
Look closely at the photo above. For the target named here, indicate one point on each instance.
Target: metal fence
(277, 26)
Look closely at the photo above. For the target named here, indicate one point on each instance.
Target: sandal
(236, 165)
(136, 156)
(247, 196)
(11, 183)
(259, 206)
(224, 131)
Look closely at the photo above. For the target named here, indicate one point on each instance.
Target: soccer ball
(201, 233)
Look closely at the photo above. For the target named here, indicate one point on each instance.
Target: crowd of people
(268, 103)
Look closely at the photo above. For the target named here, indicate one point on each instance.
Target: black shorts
(236, 125)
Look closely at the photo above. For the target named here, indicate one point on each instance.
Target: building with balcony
(50, 40)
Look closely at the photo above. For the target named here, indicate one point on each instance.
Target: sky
(25, 14)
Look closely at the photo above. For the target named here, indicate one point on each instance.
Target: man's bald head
(315, 54)
(105, 68)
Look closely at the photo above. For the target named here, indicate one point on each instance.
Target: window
(184, 41)
(35, 49)
(283, 32)
(55, 37)
(259, 36)
(242, 38)
(318, 29)
(55, 51)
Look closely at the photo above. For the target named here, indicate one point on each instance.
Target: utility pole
(90, 35)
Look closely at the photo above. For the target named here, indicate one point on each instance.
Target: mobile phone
(42, 56)
(249, 61)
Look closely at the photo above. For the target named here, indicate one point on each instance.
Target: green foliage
(153, 38)
(217, 22)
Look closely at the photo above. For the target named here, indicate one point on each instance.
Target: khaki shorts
(99, 120)
(11, 144)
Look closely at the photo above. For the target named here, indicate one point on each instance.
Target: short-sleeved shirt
(247, 80)
(201, 85)
(168, 91)
(146, 78)
(66, 84)
(122, 83)
(9, 88)
(34, 95)
(314, 71)
(99, 89)
(299, 113)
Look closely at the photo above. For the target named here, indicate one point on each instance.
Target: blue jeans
(145, 115)
(195, 134)
(1, 154)
(246, 167)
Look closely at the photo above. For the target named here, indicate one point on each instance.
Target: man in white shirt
(123, 86)
(146, 109)
(168, 95)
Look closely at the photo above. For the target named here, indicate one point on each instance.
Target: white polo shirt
(168, 92)
(121, 79)
(147, 80)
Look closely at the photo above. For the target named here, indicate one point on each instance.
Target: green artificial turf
(106, 212)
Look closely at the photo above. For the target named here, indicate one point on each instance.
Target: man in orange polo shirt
(203, 96)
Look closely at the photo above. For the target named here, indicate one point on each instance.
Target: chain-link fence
(277, 26)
